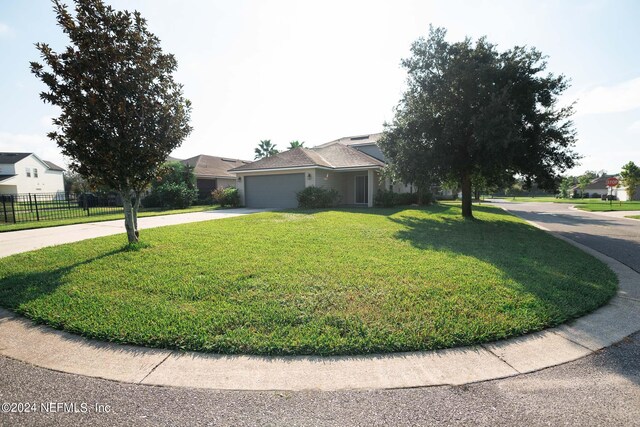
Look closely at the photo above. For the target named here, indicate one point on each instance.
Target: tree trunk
(467, 194)
(129, 221)
(136, 208)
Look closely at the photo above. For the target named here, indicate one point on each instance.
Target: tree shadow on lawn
(543, 266)
(18, 289)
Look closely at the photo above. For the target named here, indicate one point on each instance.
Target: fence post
(35, 200)
(4, 208)
(13, 210)
(86, 204)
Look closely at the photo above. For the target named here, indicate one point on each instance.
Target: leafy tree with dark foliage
(121, 111)
(472, 111)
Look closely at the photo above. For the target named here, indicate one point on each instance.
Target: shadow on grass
(19, 289)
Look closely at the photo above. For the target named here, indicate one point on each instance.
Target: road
(601, 389)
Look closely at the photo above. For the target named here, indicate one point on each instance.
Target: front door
(362, 189)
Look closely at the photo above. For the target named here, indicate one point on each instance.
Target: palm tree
(296, 144)
(265, 149)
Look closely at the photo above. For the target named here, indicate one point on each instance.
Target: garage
(273, 191)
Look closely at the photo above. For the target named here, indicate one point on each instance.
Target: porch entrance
(362, 189)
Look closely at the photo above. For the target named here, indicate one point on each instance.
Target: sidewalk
(45, 347)
(13, 242)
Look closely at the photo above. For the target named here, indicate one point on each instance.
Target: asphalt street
(601, 389)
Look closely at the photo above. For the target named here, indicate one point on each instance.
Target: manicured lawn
(592, 205)
(97, 218)
(327, 282)
(634, 216)
(601, 206)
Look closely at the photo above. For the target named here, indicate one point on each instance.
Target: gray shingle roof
(334, 156)
(355, 140)
(53, 166)
(11, 158)
(3, 177)
(213, 167)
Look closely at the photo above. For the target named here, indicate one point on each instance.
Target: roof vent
(228, 160)
(359, 138)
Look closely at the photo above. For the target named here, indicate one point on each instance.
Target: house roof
(4, 177)
(333, 156)
(599, 183)
(213, 167)
(367, 139)
(53, 166)
(11, 158)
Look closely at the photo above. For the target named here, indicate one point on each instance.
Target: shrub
(175, 187)
(226, 196)
(389, 198)
(317, 197)
(171, 195)
(595, 195)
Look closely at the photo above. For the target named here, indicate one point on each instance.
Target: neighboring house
(598, 187)
(213, 172)
(350, 165)
(27, 173)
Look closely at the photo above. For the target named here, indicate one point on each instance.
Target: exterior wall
(349, 179)
(331, 180)
(8, 189)
(48, 181)
(225, 182)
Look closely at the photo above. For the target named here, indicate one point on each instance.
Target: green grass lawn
(320, 282)
(97, 218)
(592, 205)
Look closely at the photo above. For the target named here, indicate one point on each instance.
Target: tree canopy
(630, 178)
(265, 149)
(472, 111)
(121, 111)
(296, 144)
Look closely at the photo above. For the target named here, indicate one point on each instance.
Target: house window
(28, 172)
(35, 172)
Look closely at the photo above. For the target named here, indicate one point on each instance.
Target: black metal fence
(15, 208)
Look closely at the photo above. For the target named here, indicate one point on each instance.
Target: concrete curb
(45, 347)
(610, 214)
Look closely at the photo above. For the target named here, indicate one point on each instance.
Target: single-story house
(598, 187)
(213, 172)
(350, 165)
(22, 173)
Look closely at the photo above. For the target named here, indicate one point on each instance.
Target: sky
(315, 71)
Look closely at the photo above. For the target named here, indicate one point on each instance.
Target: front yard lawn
(601, 206)
(318, 282)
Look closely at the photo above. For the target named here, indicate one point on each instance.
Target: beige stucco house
(350, 165)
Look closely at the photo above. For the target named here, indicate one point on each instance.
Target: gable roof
(333, 156)
(5, 177)
(53, 166)
(213, 167)
(12, 158)
(368, 139)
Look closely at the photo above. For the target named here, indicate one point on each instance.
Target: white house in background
(598, 187)
(27, 173)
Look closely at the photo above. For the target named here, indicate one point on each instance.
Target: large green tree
(122, 113)
(472, 111)
(265, 149)
(630, 178)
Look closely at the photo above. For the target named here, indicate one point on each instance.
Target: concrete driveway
(13, 242)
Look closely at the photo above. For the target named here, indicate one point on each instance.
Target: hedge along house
(213, 172)
(350, 165)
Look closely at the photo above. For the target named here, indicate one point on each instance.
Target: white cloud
(617, 98)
